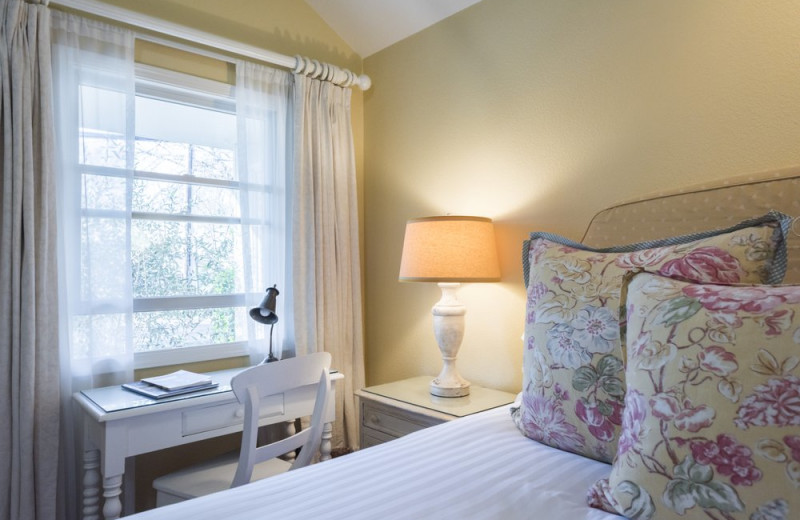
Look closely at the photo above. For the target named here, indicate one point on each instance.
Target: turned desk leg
(325, 445)
(112, 489)
(91, 485)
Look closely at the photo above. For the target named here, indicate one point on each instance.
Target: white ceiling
(371, 25)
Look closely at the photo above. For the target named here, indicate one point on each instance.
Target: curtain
(28, 292)
(262, 109)
(326, 278)
(95, 98)
(92, 67)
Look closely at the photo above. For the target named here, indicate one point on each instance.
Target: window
(168, 191)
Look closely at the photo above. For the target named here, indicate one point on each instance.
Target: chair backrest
(252, 385)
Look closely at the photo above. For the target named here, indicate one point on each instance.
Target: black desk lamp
(265, 313)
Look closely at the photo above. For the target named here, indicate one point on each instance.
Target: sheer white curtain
(28, 311)
(96, 100)
(327, 275)
(93, 68)
(262, 110)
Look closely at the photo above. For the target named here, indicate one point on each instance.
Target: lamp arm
(271, 357)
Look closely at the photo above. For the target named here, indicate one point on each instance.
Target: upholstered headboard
(703, 207)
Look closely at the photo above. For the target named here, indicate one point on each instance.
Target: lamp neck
(449, 303)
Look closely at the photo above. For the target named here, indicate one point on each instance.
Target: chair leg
(325, 445)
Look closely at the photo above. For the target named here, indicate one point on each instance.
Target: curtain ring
(327, 72)
(341, 76)
(351, 78)
(319, 69)
(298, 64)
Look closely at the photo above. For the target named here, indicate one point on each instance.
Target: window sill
(181, 356)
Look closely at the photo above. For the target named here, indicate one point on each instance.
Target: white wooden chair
(257, 462)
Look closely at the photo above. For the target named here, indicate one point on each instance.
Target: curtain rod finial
(364, 82)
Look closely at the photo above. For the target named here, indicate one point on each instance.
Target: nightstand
(395, 409)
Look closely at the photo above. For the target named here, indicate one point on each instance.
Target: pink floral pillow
(573, 384)
(711, 426)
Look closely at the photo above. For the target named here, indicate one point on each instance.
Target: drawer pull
(374, 419)
(239, 413)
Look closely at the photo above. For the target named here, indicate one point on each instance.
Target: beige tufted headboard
(700, 208)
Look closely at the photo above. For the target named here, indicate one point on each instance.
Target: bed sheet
(478, 467)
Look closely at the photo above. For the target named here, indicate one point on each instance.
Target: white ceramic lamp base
(448, 327)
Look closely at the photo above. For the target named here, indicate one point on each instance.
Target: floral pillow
(711, 427)
(573, 384)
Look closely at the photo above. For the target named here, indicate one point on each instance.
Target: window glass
(172, 258)
(103, 235)
(102, 116)
(173, 223)
(103, 192)
(187, 328)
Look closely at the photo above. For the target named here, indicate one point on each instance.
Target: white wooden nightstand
(395, 409)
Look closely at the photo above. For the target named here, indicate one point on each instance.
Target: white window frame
(183, 88)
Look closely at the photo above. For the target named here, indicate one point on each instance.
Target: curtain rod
(298, 64)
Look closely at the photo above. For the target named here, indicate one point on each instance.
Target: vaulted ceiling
(369, 26)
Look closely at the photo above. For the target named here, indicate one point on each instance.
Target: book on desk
(169, 385)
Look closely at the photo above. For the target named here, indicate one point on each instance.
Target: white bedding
(477, 467)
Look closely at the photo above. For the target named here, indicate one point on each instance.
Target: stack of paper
(168, 385)
(178, 380)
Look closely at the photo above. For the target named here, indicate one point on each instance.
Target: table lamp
(449, 250)
(265, 314)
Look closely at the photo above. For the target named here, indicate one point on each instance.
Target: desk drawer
(393, 421)
(226, 415)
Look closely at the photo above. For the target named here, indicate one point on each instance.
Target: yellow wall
(285, 26)
(538, 113)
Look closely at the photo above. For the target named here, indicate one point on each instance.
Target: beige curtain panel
(29, 359)
(327, 280)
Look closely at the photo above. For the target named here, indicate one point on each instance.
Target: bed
(442, 472)
(482, 466)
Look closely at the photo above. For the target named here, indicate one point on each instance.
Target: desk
(118, 424)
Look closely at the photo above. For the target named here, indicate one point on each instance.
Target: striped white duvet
(477, 467)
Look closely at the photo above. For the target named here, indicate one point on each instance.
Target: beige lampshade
(449, 249)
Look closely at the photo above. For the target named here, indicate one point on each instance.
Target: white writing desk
(119, 423)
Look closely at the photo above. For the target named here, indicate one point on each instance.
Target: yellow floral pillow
(573, 384)
(711, 427)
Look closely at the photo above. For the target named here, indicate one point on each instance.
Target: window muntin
(159, 197)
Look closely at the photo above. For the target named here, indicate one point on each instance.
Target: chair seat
(209, 477)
